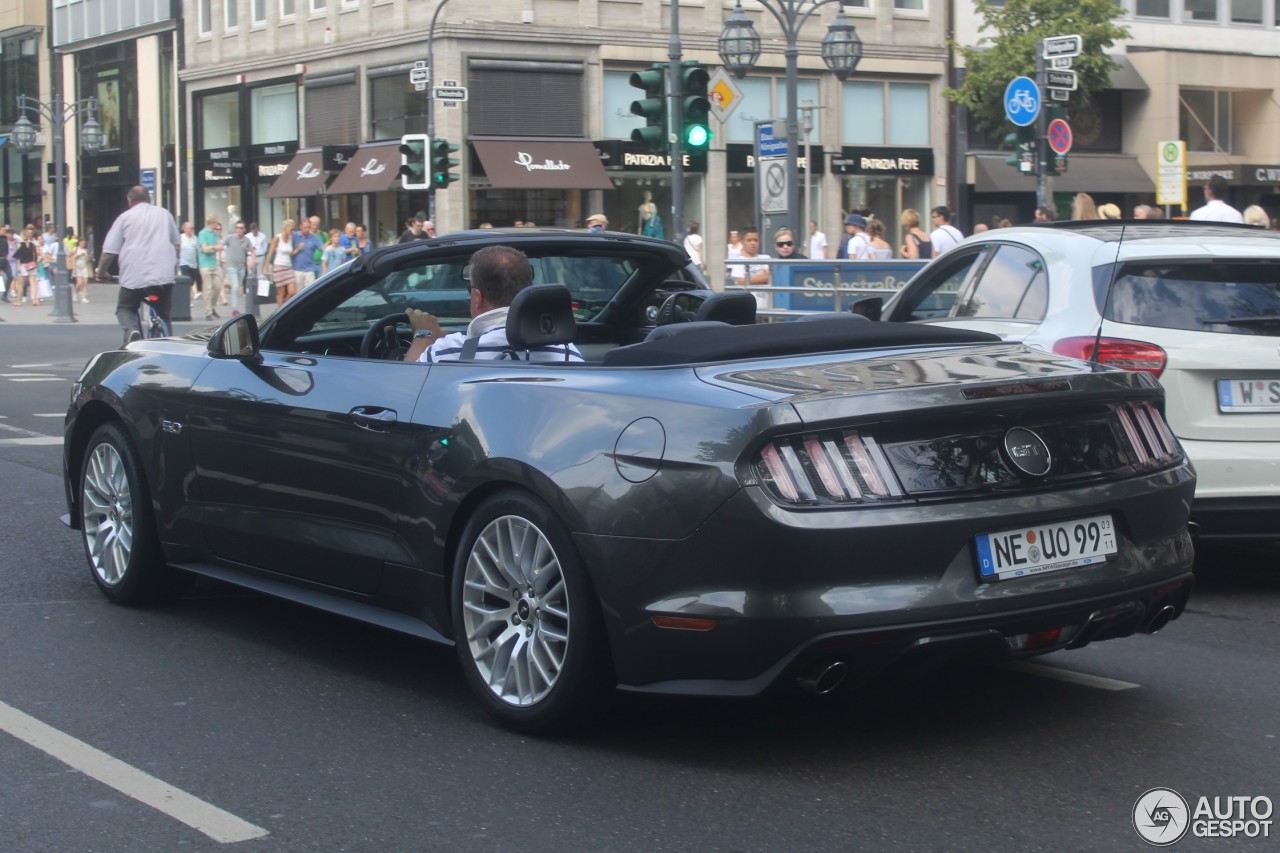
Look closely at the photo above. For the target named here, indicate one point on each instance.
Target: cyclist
(145, 240)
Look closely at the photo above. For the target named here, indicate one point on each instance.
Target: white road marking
(20, 375)
(31, 366)
(23, 432)
(1096, 681)
(49, 415)
(39, 441)
(39, 379)
(219, 825)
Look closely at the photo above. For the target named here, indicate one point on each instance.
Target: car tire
(116, 523)
(526, 620)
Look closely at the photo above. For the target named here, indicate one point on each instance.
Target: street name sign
(1060, 46)
(449, 93)
(1058, 79)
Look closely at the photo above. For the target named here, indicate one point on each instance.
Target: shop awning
(304, 177)
(1090, 173)
(372, 169)
(570, 164)
(1125, 76)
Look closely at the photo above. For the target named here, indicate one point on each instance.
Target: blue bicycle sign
(1022, 101)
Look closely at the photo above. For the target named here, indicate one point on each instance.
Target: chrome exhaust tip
(1161, 618)
(823, 678)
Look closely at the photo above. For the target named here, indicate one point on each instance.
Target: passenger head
(498, 273)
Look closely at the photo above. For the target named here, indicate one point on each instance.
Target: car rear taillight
(1116, 352)
(827, 468)
(1149, 436)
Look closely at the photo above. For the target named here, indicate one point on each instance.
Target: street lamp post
(841, 51)
(58, 112)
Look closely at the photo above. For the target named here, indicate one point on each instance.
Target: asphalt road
(238, 717)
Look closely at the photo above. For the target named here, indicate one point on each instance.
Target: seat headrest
(735, 307)
(540, 315)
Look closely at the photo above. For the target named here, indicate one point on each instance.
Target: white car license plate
(1248, 395)
(1041, 548)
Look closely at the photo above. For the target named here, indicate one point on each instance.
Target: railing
(806, 286)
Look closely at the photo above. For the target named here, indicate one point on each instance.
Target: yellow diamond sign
(724, 95)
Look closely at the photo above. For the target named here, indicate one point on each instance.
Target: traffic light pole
(675, 123)
(1042, 129)
(431, 109)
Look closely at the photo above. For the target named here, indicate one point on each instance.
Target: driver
(498, 273)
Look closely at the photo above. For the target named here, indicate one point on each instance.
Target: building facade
(293, 106)
(1202, 71)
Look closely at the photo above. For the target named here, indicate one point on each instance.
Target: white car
(1195, 304)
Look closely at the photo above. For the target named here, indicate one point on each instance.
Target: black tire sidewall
(583, 679)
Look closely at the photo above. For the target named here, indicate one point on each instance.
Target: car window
(1013, 285)
(1226, 297)
(936, 296)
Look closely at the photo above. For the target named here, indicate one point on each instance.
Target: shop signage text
(883, 161)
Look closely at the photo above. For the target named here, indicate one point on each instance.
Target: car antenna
(1106, 300)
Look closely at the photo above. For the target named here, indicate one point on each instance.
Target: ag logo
(1161, 817)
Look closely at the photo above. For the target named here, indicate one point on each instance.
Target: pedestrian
(144, 242)
(210, 268)
(1044, 213)
(415, 231)
(189, 258)
(334, 255)
(1215, 207)
(784, 242)
(26, 257)
(236, 250)
(944, 235)
(1256, 216)
(279, 259)
(363, 246)
(47, 269)
(915, 241)
(748, 274)
(1083, 207)
(307, 251)
(81, 263)
(10, 267)
(1109, 211)
(347, 241)
(735, 246)
(693, 246)
(817, 241)
(856, 246)
(878, 248)
(596, 222)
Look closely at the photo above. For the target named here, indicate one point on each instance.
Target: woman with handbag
(24, 277)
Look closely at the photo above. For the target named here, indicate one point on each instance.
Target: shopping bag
(44, 290)
(264, 286)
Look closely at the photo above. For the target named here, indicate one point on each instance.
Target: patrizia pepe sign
(526, 160)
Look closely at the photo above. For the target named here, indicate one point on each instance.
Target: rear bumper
(870, 651)
(1237, 489)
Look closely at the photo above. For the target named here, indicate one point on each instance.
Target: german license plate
(1248, 395)
(1039, 548)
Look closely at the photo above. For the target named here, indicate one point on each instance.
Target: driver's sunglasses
(782, 243)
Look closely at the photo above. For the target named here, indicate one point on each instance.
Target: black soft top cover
(729, 343)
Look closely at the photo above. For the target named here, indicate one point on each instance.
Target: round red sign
(1059, 136)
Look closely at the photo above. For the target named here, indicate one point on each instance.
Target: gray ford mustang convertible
(705, 506)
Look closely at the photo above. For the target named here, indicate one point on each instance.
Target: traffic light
(653, 107)
(695, 133)
(1022, 143)
(442, 163)
(413, 161)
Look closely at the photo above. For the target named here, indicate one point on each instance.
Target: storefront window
(220, 120)
(273, 114)
(908, 114)
(862, 114)
(757, 105)
(395, 107)
(19, 75)
(619, 121)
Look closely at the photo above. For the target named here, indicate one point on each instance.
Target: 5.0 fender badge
(1027, 452)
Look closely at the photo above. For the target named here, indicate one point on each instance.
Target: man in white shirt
(858, 248)
(498, 273)
(944, 235)
(145, 241)
(1215, 207)
(817, 241)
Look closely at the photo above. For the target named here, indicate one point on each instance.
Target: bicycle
(150, 323)
(1020, 101)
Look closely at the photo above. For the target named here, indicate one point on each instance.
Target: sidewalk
(101, 311)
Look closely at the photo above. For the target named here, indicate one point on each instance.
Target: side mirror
(869, 307)
(237, 338)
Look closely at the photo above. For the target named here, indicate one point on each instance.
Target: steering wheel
(672, 311)
(383, 340)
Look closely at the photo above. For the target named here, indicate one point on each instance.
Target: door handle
(373, 418)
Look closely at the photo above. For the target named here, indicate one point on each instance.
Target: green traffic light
(697, 136)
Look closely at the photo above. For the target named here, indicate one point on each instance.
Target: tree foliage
(1009, 50)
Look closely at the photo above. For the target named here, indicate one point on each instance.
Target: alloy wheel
(107, 514)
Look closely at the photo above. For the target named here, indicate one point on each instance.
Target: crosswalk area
(23, 374)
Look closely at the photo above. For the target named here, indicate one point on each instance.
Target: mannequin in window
(650, 221)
